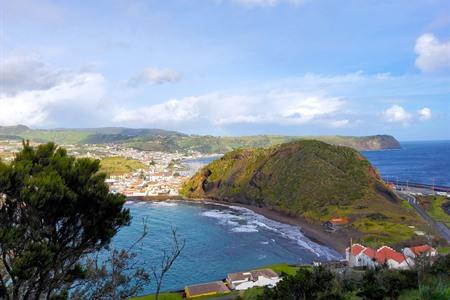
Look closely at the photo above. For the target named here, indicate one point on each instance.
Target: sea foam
(244, 220)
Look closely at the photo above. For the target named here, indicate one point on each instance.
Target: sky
(229, 67)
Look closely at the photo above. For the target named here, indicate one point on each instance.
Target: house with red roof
(361, 256)
(393, 259)
(419, 251)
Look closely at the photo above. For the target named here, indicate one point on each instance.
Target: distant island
(312, 182)
(172, 141)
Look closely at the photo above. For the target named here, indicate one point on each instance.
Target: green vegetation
(54, 211)
(282, 268)
(436, 210)
(162, 296)
(311, 179)
(118, 165)
(171, 141)
(425, 282)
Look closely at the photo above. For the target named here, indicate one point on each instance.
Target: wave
(164, 203)
(151, 203)
(245, 228)
(244, 220)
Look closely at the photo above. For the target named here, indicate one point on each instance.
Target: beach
(338, 240)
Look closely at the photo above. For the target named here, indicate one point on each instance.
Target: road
(439, 227)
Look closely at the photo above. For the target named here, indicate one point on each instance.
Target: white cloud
(424, 113)
(339, 123)
(397, 114)
(432, 54)
(31, 92)
(155, 76)
(220, 109)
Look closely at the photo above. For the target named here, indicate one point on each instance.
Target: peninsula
(312, 182)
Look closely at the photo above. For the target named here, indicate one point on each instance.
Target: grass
(437, 212)
(119, 165)
(444, 250)
(162, 296)
(282, 268)
(250, 294)
(383, 232)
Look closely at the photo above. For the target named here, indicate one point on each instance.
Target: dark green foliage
(384, 283)
(54, 210)
(295, 177)
(306, 284)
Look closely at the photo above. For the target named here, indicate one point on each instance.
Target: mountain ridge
(154, 139)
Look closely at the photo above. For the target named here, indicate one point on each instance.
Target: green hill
(309, 179)
(119, 165)
(171, 141)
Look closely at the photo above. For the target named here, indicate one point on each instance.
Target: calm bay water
(422, 162)
(222, 239)
(219, 239)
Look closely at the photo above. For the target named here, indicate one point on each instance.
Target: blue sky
(229, 67)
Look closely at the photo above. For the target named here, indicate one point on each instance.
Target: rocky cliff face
(374, 142)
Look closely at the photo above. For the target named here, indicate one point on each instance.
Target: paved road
(440, 227)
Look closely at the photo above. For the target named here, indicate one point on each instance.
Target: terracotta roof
(207, 288)
(370, 252)
(385, 253)
(418, 250)
(357, 249)
(339, 221)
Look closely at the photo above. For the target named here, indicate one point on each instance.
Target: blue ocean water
(219, 240)
(421, 162)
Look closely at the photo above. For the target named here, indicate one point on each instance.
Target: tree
(118, 276)
(318, 283)
(167, 261)
(55, 210)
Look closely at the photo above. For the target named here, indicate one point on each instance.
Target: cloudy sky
(229, 67)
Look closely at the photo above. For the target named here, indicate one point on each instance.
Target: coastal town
(159, 173)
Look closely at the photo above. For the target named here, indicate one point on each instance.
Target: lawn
(119, 165)
(162, 296)
(282, 268)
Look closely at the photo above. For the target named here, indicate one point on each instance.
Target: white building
(362, 256)
(256, 278)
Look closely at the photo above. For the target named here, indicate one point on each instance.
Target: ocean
(219, 240)
(420, 162)
(222, 239)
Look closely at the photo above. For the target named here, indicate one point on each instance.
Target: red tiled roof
(385, 253)
(357, 249)
(370, 252)
(417, 250)
(339, 221)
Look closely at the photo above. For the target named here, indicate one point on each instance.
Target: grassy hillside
(119, 165)
(311, 179)
(171, 141)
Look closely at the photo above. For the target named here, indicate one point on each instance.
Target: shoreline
(337, 241)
